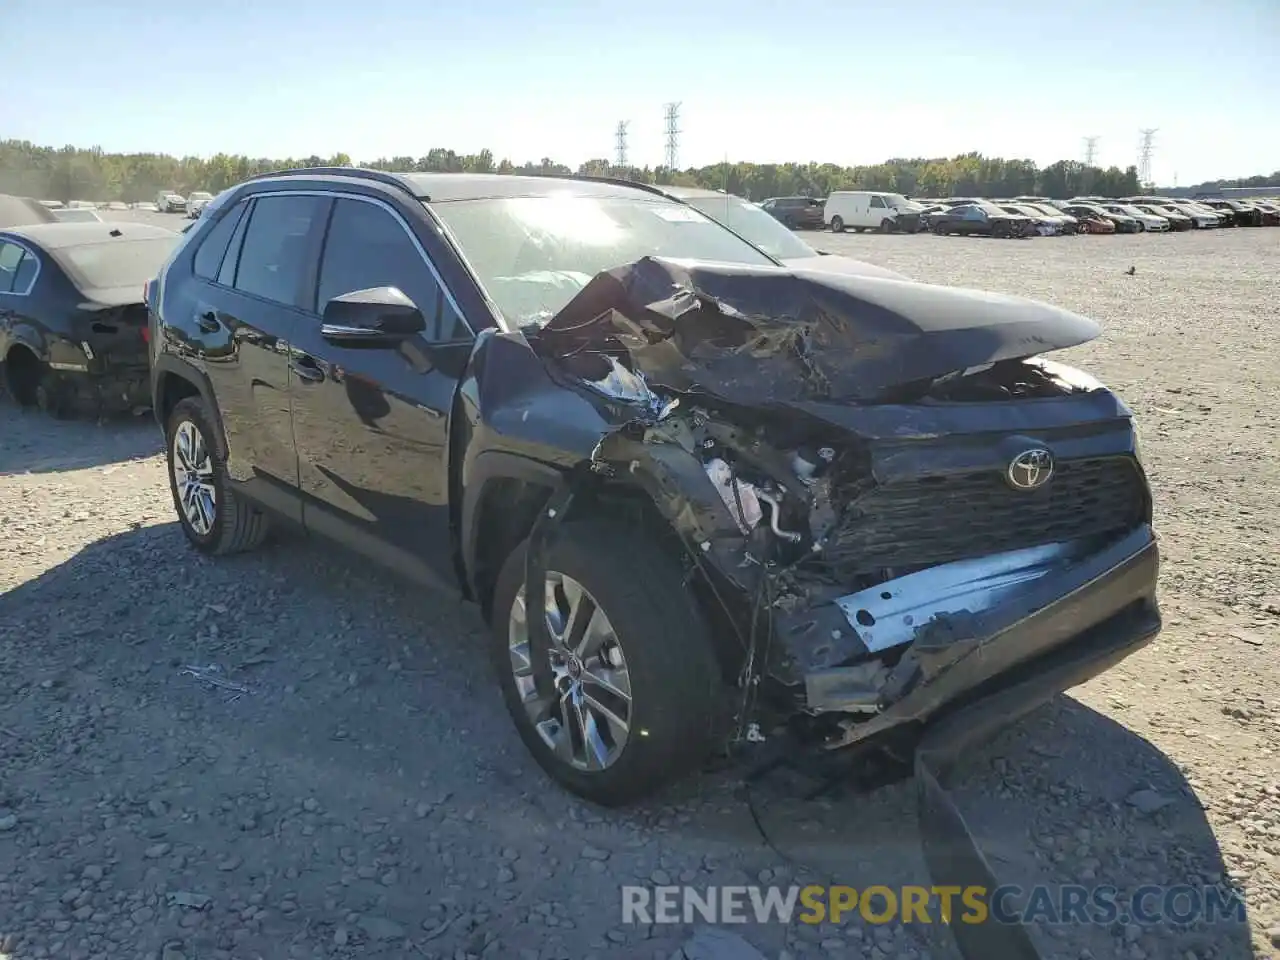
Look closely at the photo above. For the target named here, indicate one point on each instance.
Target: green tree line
(74, 173)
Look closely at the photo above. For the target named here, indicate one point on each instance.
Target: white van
(871, 210)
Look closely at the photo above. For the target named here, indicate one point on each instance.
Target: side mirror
(377, 317)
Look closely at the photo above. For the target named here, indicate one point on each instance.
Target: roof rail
(363, 173)
(616, 181)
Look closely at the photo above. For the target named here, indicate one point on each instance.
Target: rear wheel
(23, 372)
(214, 518)
(837, 225)
(31, 383)
(626, 700)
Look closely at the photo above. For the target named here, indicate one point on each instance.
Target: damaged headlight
(1073, 377)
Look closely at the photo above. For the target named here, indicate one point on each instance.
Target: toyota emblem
(1030, 470)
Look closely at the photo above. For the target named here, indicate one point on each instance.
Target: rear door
(254, 271)
(371, 425)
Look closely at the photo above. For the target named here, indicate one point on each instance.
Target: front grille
(937, 520)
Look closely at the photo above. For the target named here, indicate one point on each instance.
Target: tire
(23, 373)
(837, 225)
(886, 225)
(236, 526)
(666, 647)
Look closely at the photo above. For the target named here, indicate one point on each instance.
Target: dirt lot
(367, 795)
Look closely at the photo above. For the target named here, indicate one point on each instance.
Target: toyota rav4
(705, 500)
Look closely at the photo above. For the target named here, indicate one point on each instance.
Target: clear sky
(842, 81)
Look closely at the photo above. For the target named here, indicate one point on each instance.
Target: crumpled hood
(770, 335)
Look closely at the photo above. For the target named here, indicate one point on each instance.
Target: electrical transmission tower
(1145, 148)
(621, 142)
(673, 135)
(1090, 151)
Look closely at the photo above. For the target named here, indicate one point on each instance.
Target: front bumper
(1045, 635)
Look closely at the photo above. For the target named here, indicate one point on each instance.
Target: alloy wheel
(585, 716)
(193, 478)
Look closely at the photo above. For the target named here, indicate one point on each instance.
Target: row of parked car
(166, 201)
(617, 448)
(861, 210)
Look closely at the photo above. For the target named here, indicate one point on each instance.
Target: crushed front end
(898, 508)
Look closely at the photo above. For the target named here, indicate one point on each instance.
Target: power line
(673, 135)
(1090, 151)
(621, 142)
(1146, 147)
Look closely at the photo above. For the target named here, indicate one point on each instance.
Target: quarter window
(10, 258)
(273, 258)
(213, 248)
(368, 247)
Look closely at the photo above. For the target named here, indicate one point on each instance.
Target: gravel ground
(366, 796)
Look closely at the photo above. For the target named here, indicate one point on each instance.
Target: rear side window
(10, 257)
(274, 255)
(213, 248)
(368, 247)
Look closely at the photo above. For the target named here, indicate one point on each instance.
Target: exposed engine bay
(859, 466)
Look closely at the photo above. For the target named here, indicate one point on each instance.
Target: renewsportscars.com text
(1065, 904)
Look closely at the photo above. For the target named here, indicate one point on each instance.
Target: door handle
(208, 322)
(307, 370)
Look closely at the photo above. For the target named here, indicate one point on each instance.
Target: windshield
(116, 263)
(898, 202)
(754, 225)
(1132, 210)
(533, 254)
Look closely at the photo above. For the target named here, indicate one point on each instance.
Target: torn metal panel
(892, 613)
(758, 336)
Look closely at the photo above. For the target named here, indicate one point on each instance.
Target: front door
(371, 425)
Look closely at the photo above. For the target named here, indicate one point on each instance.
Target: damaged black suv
(759, 504)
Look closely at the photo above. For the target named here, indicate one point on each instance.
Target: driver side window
(877, 203)
(368, 247)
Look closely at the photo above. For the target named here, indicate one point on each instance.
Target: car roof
(696, 193)
(56, 236)
(20, 211)
(447, 187)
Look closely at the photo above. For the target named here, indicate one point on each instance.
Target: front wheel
(626, 700)
(886, 225)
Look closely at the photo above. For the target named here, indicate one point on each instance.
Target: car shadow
(351, 680)
(37, 443)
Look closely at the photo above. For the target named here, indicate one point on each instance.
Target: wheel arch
(26, 336)
(172, 382)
